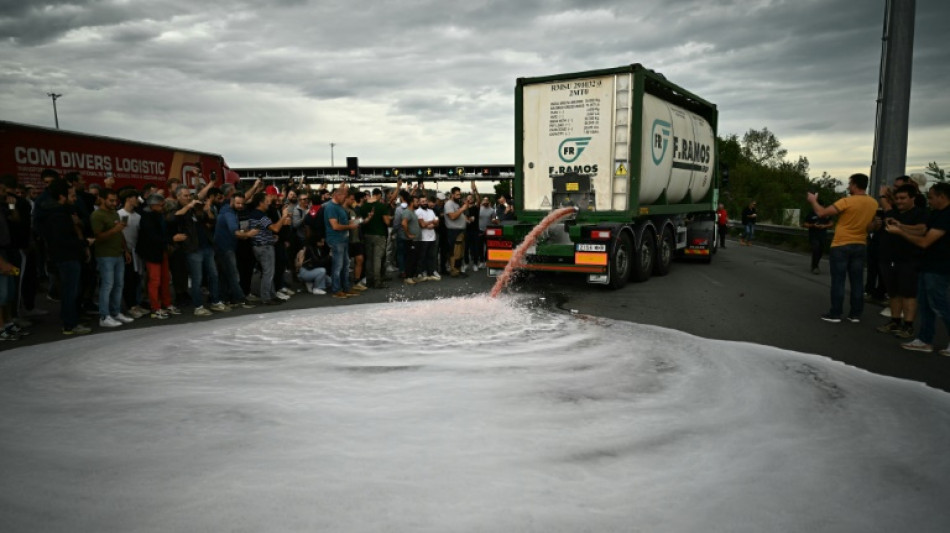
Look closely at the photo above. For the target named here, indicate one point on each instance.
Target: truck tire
(664, 253)
(621, 262)
(645, 255)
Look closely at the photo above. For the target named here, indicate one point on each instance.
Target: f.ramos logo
(572, 148)
(661, 139)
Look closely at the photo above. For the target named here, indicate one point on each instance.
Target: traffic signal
(396, 172)
(486, 172)
(419, 172)
(353, 167)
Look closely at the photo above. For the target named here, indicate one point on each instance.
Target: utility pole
(55, 96)
(331, 154)
(893, 101)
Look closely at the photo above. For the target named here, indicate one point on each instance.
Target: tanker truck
(26, 150)
(634, 154)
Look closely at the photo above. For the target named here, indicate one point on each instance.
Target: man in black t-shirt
(899, 260)
(817, 233)
(934, 276)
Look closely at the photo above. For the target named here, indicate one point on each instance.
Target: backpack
(316, 226)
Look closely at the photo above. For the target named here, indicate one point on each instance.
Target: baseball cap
(272, 190)
(155, 199)
(919, 179)
(440, 196)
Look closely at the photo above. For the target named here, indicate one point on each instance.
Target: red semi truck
(26, 150)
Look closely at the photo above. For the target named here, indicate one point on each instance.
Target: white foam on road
(462, 414)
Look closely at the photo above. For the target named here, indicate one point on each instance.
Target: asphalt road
(748, 294)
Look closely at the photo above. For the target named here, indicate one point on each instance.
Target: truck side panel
(25, 151)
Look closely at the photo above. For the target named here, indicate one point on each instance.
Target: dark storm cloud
(794, 66)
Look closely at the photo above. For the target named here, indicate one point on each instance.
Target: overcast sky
(274, 82)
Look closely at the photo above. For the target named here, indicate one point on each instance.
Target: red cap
(271, 190)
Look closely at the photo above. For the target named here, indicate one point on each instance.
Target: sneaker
(172, 310)
(17, 330)
(905, 332)
(202, 311)
(352, 293)
(109, 322)
(340, 294)
(854, 319)
(433, 278)
(308, 285)
(945, 351)
(9, 336)
(474, 268)
(917, 345)
(125, 319)
(831, 318)
(436, 276)
(815, 271)
(464, 268)
(253, 298)
(247, 305)
(421, 277)
(78, 330)
(220, 307)
(890, 327)
(482, 264)
(886, 312)
(409, 281)
(287, 291)
(137, 312)
(159, 314)
(282, 296)
(360, 287)
(317, 292)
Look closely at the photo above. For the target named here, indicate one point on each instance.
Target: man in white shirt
(428, 250)
(132, 289)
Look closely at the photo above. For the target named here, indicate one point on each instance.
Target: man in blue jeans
(338, 226)
(227, 232)
(111, 257)
(933, 281)
(849, 246)
(195, 220)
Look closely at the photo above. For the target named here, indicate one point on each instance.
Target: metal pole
(331, 154)
(55, 96)
(893, 110)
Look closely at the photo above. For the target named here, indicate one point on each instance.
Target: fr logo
(661, 139)
(572, 148)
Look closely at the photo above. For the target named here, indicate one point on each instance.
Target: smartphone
(125, 219)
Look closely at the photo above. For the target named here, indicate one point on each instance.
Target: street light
(54, 96)
(331, 154)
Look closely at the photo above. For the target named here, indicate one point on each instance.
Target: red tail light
(600, 234)
(493, 232)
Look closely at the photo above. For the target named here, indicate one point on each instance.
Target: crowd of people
(125, 254)
(900, 238)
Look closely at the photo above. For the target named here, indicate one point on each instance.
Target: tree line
(758, 170)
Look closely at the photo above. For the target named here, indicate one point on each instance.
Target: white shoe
(123, 318)
(308, 285)
(109, 322)
(220, 307)
(287, 291)
(318, 292)
(436, 276)
(474, 268)
(464, 268)
(481, 265)
(282, 296)
(202, 311)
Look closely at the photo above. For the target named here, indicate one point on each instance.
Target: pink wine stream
(517, 258)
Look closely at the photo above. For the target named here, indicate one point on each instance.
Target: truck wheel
(664, 254)
(621, 262)
(643, 262)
